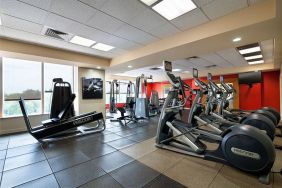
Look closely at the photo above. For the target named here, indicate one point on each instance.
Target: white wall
(88, 105)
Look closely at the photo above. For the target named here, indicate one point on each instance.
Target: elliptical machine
(241, 146)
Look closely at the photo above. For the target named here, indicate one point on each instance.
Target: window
(21, 78)
(52, 71)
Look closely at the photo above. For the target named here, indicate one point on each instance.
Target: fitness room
(140, 93)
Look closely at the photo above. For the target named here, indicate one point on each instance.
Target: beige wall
(16, 124)
(88, 105)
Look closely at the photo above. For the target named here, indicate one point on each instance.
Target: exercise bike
(241, 146)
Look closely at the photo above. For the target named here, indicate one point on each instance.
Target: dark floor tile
(105, 181)
(96, 150)
(23, 160)
(141, 136)
(78, 175)
(112, 161)
(3, 146)
(23, 150)
(58, 149)
(21, 142)
(121, 143)
(127, 133)
(44, 182)
(68, 160)
(118, 129)
(4, 139)
(25, 174)
(134, 174)
(3, 154)
(1, 165)
(109, 138)
(163, 182)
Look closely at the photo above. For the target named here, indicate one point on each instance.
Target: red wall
(259, 95)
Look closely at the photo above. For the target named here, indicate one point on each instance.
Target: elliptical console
(241, 146)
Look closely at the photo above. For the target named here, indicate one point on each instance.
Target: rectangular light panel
(250, 50)
(149, 2)
(256, 62)
(103, 47)
(171, 9)
(82, 41)
(253, 57)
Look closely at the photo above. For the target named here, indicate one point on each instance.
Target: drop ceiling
(124, 24)
(227, 58)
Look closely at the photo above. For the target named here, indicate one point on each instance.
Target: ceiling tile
(201, 3)
(147, 20)
(216, 60)
(134, 34)
(164, 30)
(232, 56)
(120, 43)
(218, 8)
(252, 2)
(23, 11)
(190, 19)
(124, 10)
(267, 49)
(59, 23)
(105, 22)
(201, 63)
(12, 22)
(44, 4)
(73, 9)
(94, 3)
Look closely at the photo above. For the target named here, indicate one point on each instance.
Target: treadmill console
(167, 66)
(209, 76)
(221, 79)
(195, 73)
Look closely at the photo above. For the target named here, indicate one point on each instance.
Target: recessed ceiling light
(172, 9)
(256, 62)
(103, 47)
(253, 57)
(250, 50)
(237, 39)
(149, 2)
(129, 66)
(98, 67)
(176, 70)
(82, 41)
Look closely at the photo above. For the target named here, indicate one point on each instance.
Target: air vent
(50, 32)
(210, 66)
(155, 68)
(192, 57)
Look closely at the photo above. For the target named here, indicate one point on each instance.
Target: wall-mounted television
(250, 77)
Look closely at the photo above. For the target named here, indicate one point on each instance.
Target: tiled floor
(121, 156)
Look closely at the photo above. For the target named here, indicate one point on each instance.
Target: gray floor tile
(4, 139)
(3, 154)
(96, 150)
(1, 165)
(58, 149)
(121, 143)
(134, 174)
(109, 138)
(44, 182)
(141, 136)
(25, 174)
(105, 181)
(65, 161)
(126, 133)
(112, 161)
(78, 175)
(23, 150)
(23, 160)
(3, 146)
(163, 182)
(22, 142)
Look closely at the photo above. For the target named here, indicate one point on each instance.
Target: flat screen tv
(250, 77)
